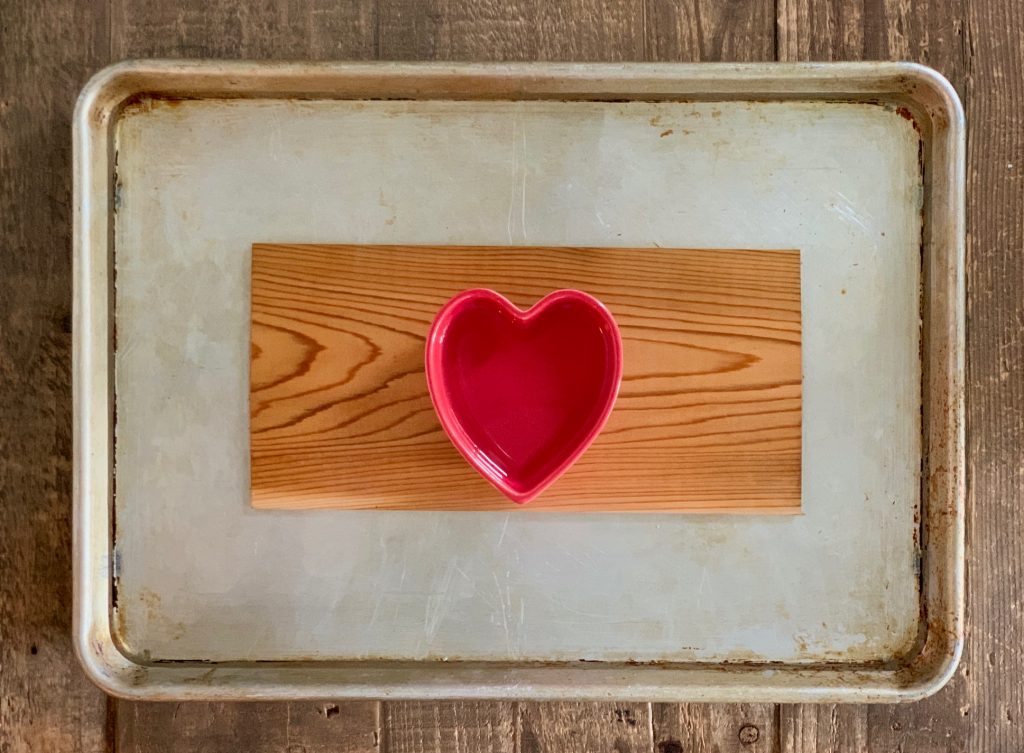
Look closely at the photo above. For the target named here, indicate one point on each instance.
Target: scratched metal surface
(203, 576)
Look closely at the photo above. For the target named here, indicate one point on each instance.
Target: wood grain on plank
(276, 30)
(823, 728)
(180, 727)
(993, 708)
(496, 30)
(575, 727)
(715, 728)
(448, 727)
(708, 416)
(710, 30)
(333, 727)
(47, 52)
(298, 727)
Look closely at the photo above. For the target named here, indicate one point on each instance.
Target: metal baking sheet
(183, 591)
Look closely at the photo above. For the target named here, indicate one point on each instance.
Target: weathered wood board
(708, 417)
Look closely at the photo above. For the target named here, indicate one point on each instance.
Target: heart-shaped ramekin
(522, 394)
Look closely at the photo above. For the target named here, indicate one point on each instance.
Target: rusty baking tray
(183, 591)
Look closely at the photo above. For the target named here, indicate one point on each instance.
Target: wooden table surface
(47, 51)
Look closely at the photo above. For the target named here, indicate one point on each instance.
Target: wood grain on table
(708, 415)
(48, 50)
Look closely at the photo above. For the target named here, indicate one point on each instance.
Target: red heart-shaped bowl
(522, 394)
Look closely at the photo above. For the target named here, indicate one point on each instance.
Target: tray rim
(930, 101)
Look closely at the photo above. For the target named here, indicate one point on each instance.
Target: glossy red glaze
(523, 394)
